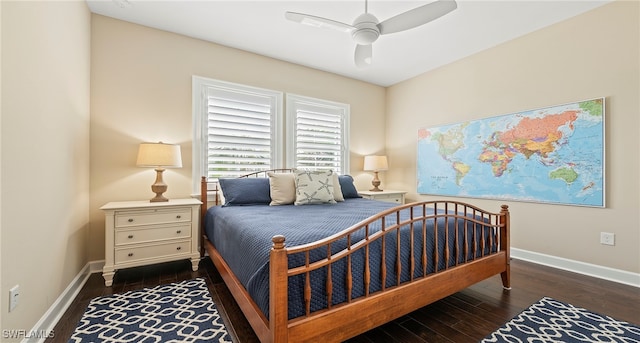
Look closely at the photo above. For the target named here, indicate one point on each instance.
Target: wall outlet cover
(607, 238)
(14, 296)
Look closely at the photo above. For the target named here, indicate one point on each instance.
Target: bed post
(278, 289)
(505, 245)
(203, 211)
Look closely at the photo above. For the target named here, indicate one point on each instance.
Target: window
(239, 129)
(236, 129)
(317, 134)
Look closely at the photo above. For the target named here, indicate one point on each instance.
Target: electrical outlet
(14, 296)
(607, 238)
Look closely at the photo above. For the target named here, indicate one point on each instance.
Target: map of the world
(550, 155)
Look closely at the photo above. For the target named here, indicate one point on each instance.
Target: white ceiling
(259, 26)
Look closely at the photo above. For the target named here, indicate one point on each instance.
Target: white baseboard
(44, 327)
(611, 274)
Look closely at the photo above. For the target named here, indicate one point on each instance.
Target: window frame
(201, 86)
(293, 102)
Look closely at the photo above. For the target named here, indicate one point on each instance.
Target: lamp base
(159, 187)
(375, 183)
(159, 198)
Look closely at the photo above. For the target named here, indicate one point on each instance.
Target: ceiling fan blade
(417, 16)
(363, 55)
(315, 21)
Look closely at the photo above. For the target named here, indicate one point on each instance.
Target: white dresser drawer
(151, 251)
(151, 234)
(389, 198)
(152, 216)
(396, 197)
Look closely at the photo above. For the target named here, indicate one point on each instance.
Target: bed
(330, 271)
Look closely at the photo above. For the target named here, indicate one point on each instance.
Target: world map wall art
(551, 155)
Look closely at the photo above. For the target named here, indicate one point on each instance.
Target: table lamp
(375, 163)
(159, 156)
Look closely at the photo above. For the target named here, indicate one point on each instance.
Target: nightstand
(142, 232)
(385, 195)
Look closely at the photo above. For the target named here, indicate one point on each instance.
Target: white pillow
(337, 190)
(282, 187)
(314, 187)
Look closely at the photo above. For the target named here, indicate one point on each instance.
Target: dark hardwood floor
(467, 316)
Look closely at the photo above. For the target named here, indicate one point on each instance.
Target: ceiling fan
(366, 28)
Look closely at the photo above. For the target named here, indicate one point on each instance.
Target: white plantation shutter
(239, 137)
(239, 130)
(317, 134)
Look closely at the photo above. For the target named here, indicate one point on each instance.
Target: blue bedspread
(242, 235)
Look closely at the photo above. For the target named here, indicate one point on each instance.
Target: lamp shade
(375, 163)
(159, 155)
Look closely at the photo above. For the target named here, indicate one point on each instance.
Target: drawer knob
(179, 248)
(130, 236)
(178, 216)
(130, 254)
(130, 220)
(179, 231)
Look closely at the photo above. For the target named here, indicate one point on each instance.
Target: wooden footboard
(483, 255)
(345, 320)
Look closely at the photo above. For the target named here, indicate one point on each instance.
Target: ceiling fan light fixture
(362, 56)
(365, 36)
(366, 31)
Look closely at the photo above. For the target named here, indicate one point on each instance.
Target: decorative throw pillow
(337, 190)
(283, 188)
(348, 188)
(314, 187)
(245, 191)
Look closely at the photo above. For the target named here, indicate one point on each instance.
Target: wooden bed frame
(340, 322)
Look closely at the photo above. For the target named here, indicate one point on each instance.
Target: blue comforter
(242, 235)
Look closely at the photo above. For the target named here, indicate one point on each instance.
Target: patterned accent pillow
(314, 187)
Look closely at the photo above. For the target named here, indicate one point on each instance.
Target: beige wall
(1, 284)
(593, 55)
(45, 153)
(141, 91)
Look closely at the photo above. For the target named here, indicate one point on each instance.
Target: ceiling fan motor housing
(367, 30)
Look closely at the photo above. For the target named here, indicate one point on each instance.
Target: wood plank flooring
(467, 316)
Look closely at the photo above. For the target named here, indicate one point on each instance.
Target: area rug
(550, 320)
(177, 312)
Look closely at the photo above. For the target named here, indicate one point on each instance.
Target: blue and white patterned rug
(177, 312)
(550, 320)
